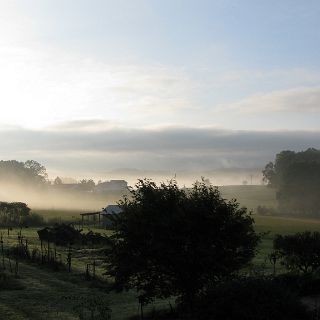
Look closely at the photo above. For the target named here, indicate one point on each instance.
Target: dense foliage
(251, 299)
(296, 175)
(29, 173)
(66, 234)
(173, 242)
(13, 213)
(299, 252)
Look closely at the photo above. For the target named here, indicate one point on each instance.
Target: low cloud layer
(96, 147)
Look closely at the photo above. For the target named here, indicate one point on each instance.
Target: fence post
(2, 252)
(69, 259)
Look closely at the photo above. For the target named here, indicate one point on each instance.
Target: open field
(49, 295)
(46, 293)
(278, 225)
(248, 196)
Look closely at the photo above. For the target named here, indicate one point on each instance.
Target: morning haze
(162, 157)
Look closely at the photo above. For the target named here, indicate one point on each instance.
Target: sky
(93, 87)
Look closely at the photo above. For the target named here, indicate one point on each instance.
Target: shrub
(250, 299)
(299, 252)
(169, 242)
(33, 220)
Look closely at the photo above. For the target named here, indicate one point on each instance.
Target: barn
(107, 212)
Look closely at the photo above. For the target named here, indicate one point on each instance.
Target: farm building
(108, 211)
(101, 218)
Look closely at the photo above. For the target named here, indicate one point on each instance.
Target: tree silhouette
(296, 176)
(174, 242)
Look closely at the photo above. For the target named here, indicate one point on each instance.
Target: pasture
(43, 293)
(48, 294)
(249, 196)
(270, 226)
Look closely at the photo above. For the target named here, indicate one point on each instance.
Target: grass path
(48, 295)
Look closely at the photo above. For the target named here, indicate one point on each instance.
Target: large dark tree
(172, 242)
(296, 176)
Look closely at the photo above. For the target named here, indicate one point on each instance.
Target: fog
(53, 199)
(218, 177)
(50, 197)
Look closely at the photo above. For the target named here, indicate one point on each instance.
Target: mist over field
(47, 197)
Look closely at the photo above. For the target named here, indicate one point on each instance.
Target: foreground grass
(49, 295)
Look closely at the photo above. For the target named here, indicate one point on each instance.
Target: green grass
(49, 295)
(250, 196)
(45, 292)
(270, 226)
(63, 214)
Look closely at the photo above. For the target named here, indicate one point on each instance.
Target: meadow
(249, 196)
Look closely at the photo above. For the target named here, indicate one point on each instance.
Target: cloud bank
(95, 146)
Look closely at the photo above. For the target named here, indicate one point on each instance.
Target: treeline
(29, 173)
(17, 214)
(296, 177)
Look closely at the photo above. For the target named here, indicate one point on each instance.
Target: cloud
(40, 87)
(99, 149)
(298, 100)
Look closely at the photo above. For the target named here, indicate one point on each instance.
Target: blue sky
(159, 65)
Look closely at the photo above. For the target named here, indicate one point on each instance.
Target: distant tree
(299, 252)
(269, 174)
(26, 173)
(36, 168)
(13, 213)
(57, 181)
(175, 242)
(87, 185)
(296, 176)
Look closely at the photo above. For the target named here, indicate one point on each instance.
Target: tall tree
(296, 176)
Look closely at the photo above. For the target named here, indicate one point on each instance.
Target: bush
(33, 220)
(250, 299)
(169, 242)
(299, 252)
(303, 284)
